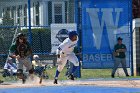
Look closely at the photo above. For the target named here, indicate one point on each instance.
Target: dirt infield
(135, 83)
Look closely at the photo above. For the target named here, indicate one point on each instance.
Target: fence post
(29, 17)
(77, 15)
(131, 38)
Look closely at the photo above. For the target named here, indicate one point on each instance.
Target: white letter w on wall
(105, 20)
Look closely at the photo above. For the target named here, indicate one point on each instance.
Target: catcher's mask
(20, 35)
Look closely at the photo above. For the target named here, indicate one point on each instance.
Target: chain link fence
(34, 18)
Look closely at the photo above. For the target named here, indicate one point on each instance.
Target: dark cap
(119, 38)
(20, 35)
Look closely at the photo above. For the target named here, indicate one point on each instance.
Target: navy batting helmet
(72, 33)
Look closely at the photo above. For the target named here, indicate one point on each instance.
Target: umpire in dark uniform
(120, 57)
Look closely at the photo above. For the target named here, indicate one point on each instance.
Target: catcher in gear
(22, 51)
(65, 52)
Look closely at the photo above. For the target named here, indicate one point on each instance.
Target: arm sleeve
(61, 47)
(12, 49)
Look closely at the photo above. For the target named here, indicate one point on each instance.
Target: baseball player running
(21, 51)
(65, 52)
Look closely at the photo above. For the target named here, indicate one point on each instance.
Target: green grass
(85, 74)
(51, 73)
(95, 73)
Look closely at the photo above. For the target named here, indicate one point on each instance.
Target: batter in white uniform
(65, 52)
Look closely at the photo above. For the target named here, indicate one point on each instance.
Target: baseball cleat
(1, 81)
(55, 81)
(112, 76)
(23, 81)
(127, 75)
(40, 80)
(71, 77)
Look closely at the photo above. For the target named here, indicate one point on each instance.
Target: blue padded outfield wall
(102, 22)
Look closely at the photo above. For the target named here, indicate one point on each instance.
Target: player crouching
(22, 51)
(65, 52)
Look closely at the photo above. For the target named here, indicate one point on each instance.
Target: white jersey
(65, 50)
(67, 46)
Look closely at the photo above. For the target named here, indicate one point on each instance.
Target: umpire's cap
(72, 33)
(119, 38)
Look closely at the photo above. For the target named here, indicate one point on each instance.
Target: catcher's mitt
(115, 54)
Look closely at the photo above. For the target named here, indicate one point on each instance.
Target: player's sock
(74, 68)
(57, 74)
(72, 73)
